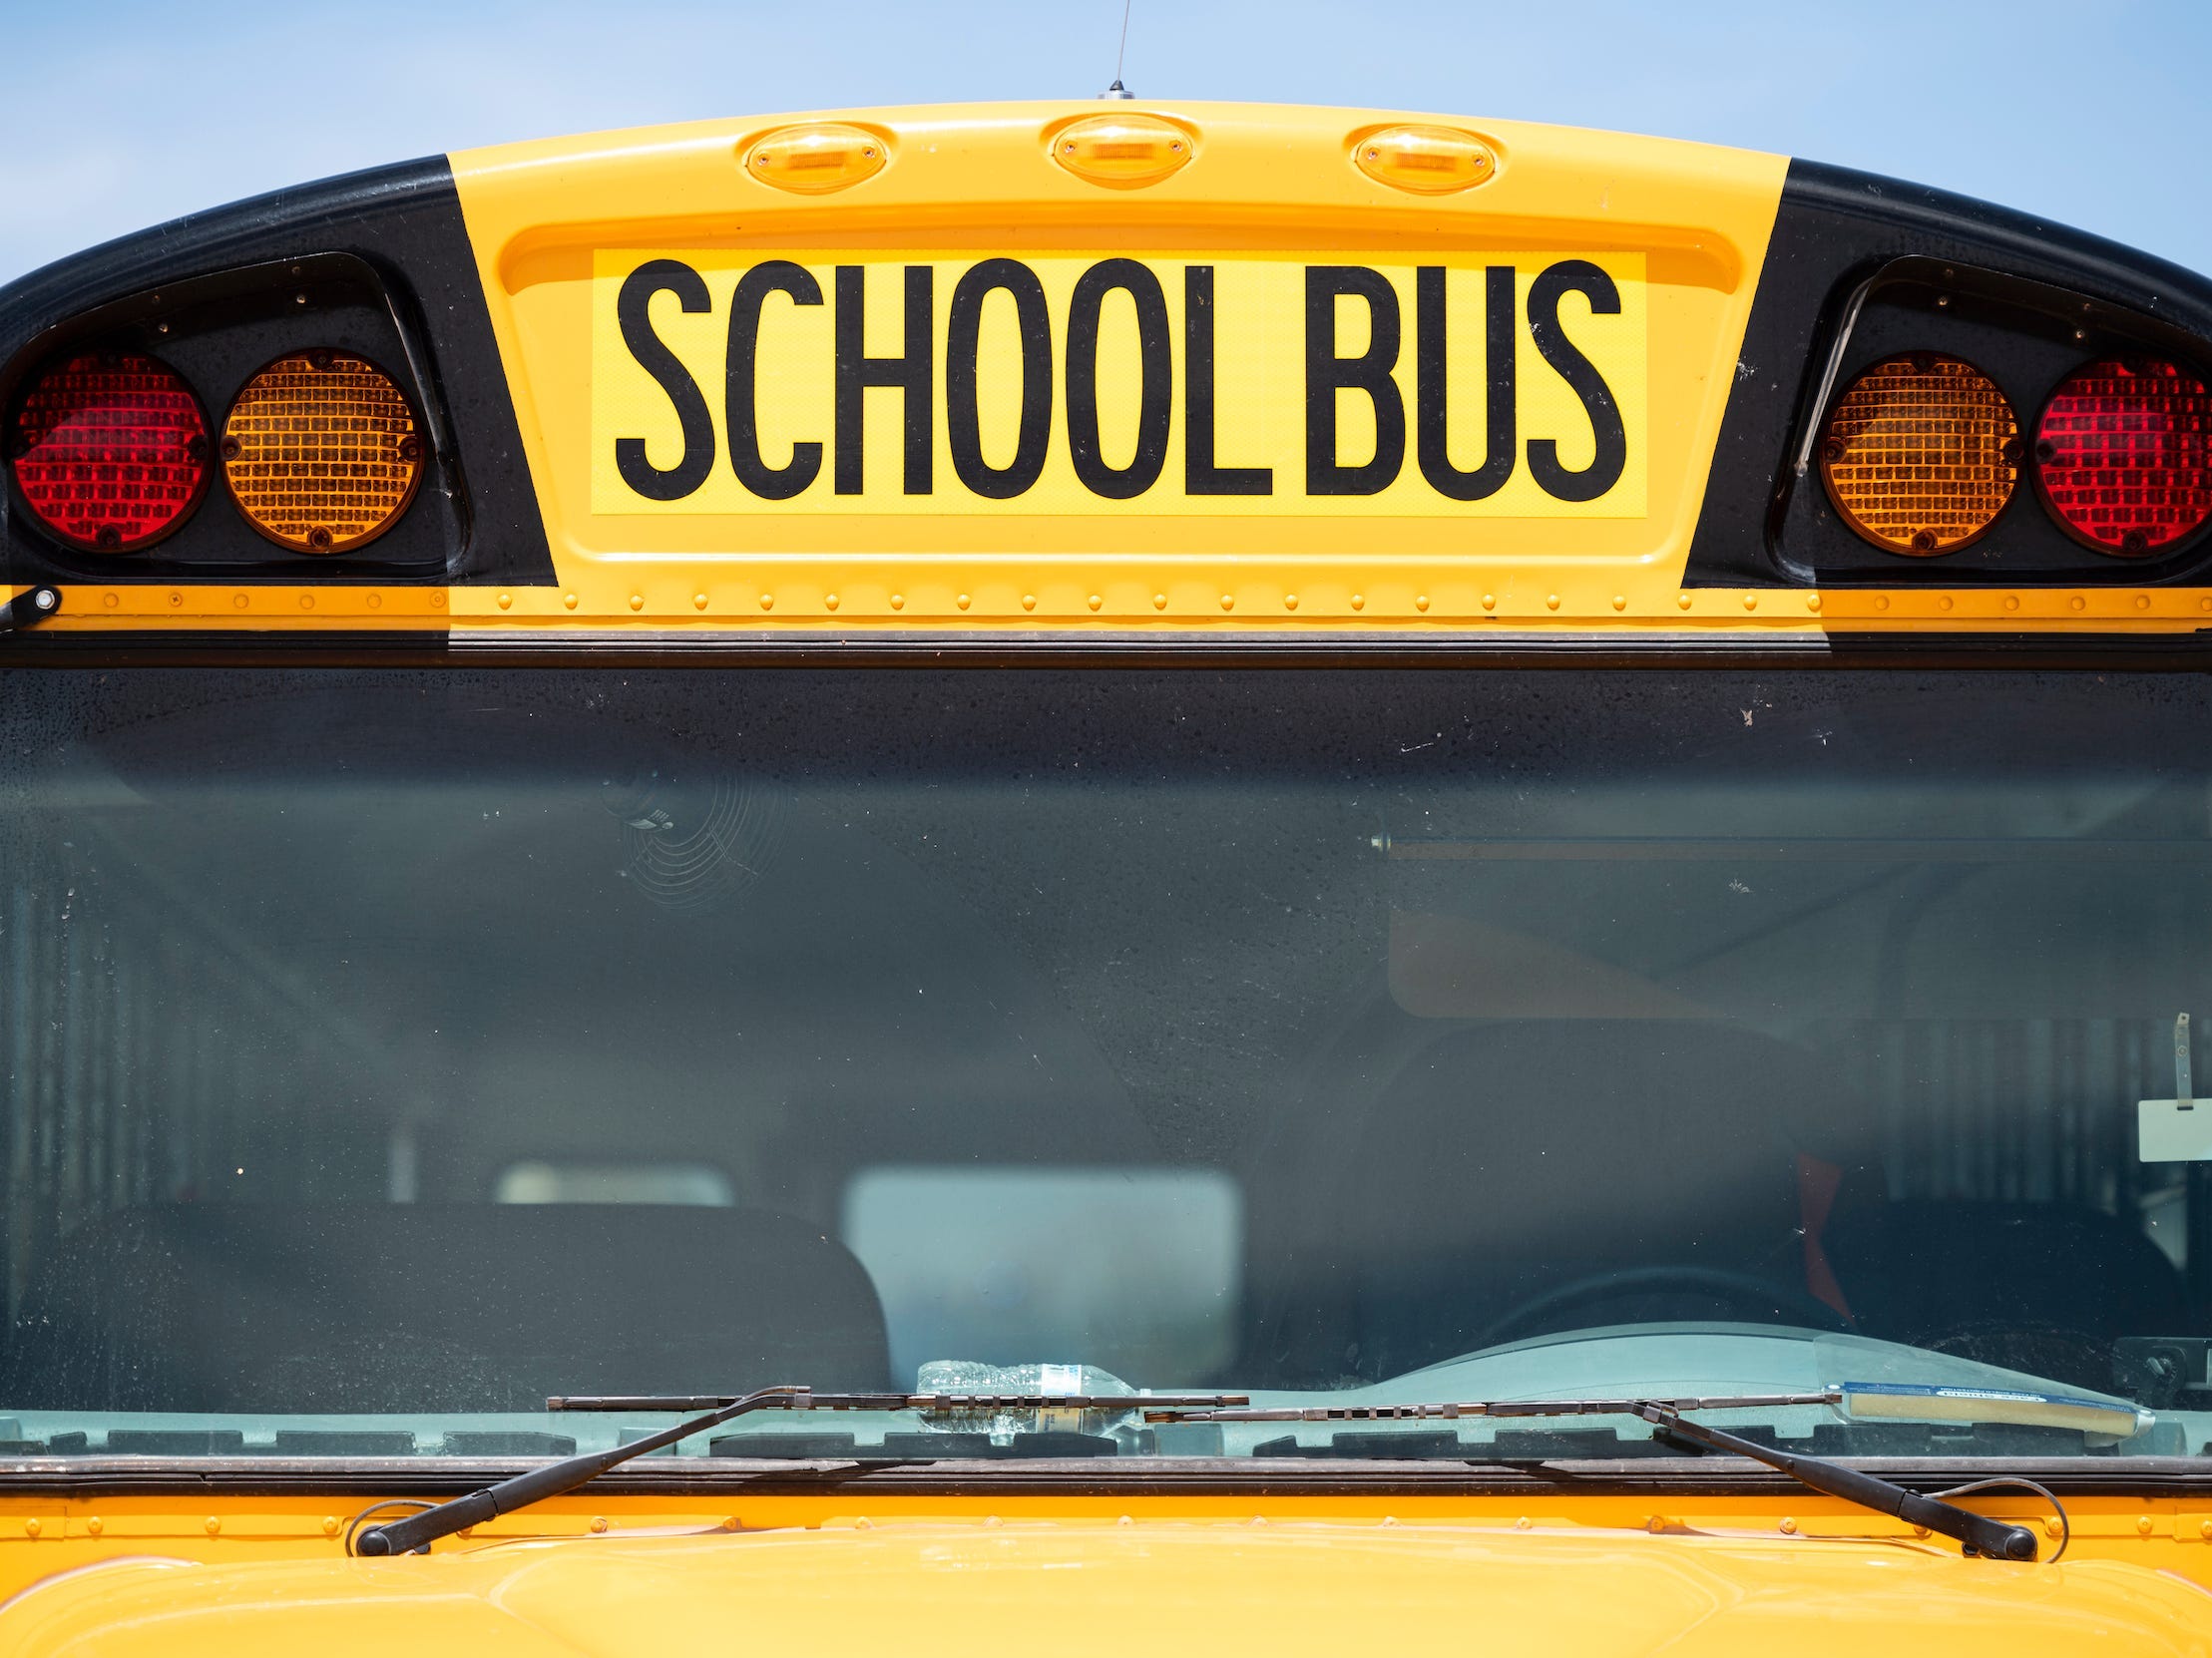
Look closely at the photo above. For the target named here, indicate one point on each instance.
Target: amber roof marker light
(321, 451)
(109, 451)
(2123, 456)
(1921, 454)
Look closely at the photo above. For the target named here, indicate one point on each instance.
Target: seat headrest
(407, 1308)
(1922, 1270)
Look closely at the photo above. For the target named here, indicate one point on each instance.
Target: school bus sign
(1211, 384)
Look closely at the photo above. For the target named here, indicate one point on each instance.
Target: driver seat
(1514, 1159)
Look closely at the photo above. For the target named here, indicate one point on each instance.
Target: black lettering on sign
(742, 407)
(1327, 374)
(632, 309)
(909, 371)
(1201, 475)
(1431, 355)
(1156, 403)
(962, 420)
(1603, 471)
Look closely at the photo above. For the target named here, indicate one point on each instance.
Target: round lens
(1921, 454)
(109, 451)
(2123, 456)
(321, 452)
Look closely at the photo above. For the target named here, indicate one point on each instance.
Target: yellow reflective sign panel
(1204, 384)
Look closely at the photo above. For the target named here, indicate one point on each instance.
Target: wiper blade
(417, 1531)
(1975, 1533)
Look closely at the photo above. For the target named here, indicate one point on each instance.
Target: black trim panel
(2133, 653)
(405, 221)
(1240, 1477)
(1834, 230)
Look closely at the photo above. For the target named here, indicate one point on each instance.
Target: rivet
(376, 601)
(636, 601)
(306, 601)
(1029, 602)
(1919, 1530)
(2076, 603)
(95, 1524)
(1123, 1519)
(1490, 602)
(1944, 603)
(2142, 602)
(1359, 602)
(110, 600)
(1229, 601)
(2204, 604)
(767, 601)
(1882, 601)
(830, 600)
(1094, 600)
(1389, 1520)
(1812, 601)
(1750, 600)
(329, 1525)
(33, 1527)
(1682, 601)
(1258, 1519)
(1658, 1522)
(568, 599)
(212, 1525)
(1522, 1523)
(1290, 602)
(2053, 1527)
(598, 1523)
(962, 602)
(1420, 601)
(2204, 1530)
(506, 601)
(2142, 1524)
(1551, 602)
(993, 1519)
(1621, 602)
(898, 601)
(1788, 1526)
(698, 602)
(437, 602)
(1159, 602)
(238, 600)
(861, 1523)
(2011, 602)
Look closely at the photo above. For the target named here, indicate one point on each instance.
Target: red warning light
(111, 452)
(2123, 456)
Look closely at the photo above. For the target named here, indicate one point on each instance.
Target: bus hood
(1159, 1590)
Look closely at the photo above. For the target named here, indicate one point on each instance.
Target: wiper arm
(1977, 1534)
(418, 1531)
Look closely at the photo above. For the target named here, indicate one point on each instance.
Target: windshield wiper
(1977, 1534)
(418, 1531)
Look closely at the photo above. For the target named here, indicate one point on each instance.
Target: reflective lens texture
(1921, 454)
(111, 452)
(321, 452)
(2123, 456)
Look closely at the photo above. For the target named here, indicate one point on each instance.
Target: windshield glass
(387, 1050)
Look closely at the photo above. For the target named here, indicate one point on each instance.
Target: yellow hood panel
(1130, 1591)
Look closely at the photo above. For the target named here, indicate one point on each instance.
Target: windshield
(387, 1050)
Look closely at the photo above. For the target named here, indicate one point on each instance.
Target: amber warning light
(1922, 454)
(321, 452)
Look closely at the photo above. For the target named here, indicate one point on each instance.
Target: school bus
(1134, 877)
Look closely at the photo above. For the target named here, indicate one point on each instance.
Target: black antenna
(1118, 89)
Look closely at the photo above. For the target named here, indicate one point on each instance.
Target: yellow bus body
(557, 228)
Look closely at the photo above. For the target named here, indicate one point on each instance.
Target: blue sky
(118, 114)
